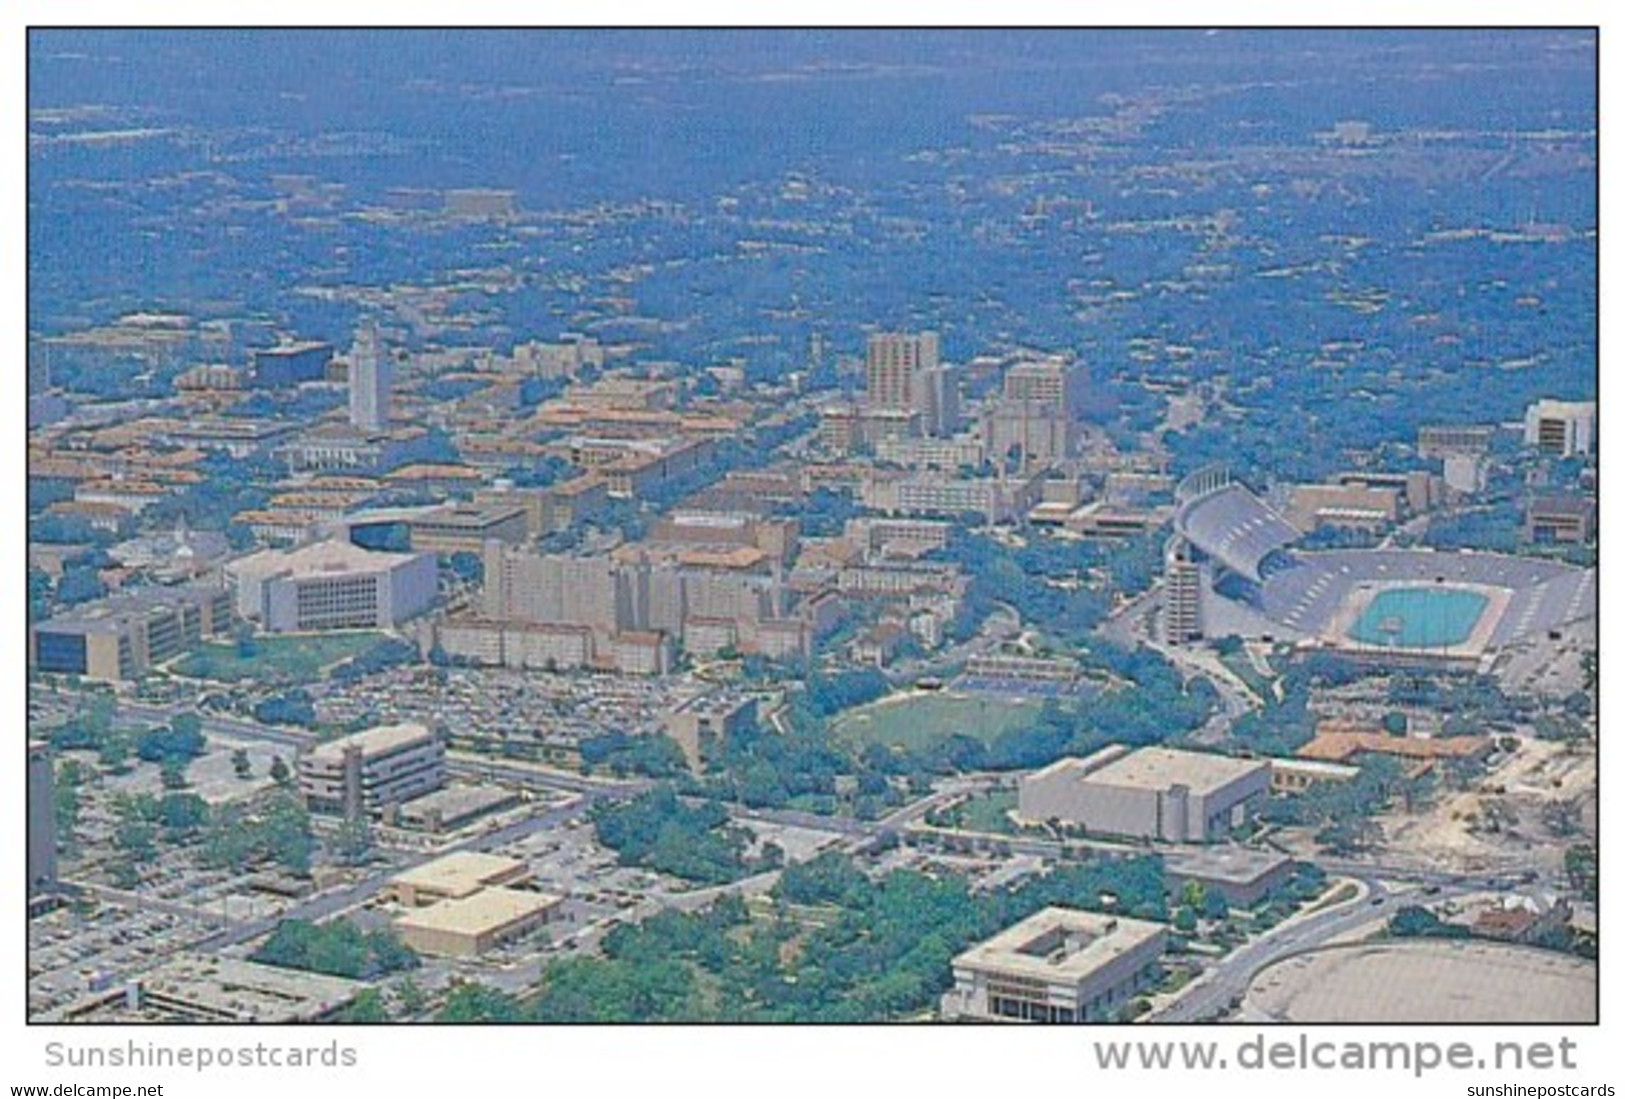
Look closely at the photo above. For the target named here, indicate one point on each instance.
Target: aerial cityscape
(1071, 526)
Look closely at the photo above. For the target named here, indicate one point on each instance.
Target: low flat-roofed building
(1434, 441)
(466, 927)
(459, 874)
(122, 636)
(1289, 776)
(195, 988)
(465, 528)
(451, 808)
(1554, 520)
(372, 769)
(1242, 875)
(1060, 965)
(1152, 793)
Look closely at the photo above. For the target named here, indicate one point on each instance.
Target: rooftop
(458, 874)
(1228, 864)
(317, 559)
(1060, 944)
(110, 613)
(479, 913)
(247, 990)
(471, 516)
(1160, 768)
(375, 741)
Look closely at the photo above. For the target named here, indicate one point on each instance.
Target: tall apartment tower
(1054, 385)
(1181, 594)
(41, 827)
(893, 361)
(370, 380)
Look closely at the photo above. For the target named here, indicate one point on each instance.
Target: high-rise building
(41, 826)
(369, 381)
(936, 398)
(894, 359)
(1181, 594)
(1055, 384)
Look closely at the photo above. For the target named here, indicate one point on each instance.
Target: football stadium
(1396, 605)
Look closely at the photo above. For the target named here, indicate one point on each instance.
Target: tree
(114, 755)
(288, 835)
(353, 842)
(472, 1002)
(241, 766)
(1185, 920)
(1394, 723)
(1415, 921)
(410, 995)
(367, 1007)
(172, 773)
(67, 810)
(280, 774)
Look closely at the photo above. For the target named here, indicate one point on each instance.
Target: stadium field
(1419, 618)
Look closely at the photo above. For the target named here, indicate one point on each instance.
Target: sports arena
(1397, 605)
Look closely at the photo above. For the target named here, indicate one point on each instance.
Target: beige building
(459, 874)
(1153, 793)
(1060, 965)
(122, 636)
(373, 769)
(893, 361)
(467, 927)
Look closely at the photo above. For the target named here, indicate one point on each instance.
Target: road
(129, 899)
(1211, 995)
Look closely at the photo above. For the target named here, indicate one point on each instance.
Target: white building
(1152, 793)
(1565, 428)
(332, 586)
(1059, 965)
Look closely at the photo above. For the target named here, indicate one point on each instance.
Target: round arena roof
(1427, 981)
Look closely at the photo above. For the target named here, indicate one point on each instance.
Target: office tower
(893, 361)
(369, 381)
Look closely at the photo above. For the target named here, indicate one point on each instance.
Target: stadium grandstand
(1412, 604)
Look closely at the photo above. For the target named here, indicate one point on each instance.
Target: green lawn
(920, 720)
(275, 659)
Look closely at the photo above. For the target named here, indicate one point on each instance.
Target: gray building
(41, 827)
(1151, 793)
